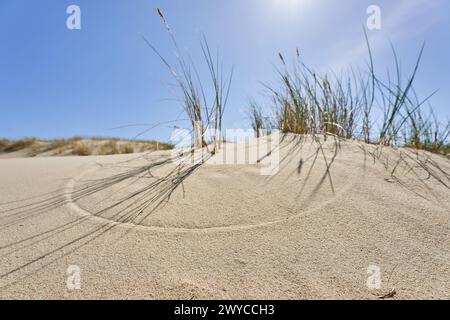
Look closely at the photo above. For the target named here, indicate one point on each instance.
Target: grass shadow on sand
(144, 201)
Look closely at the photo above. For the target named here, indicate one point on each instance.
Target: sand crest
(332, 211)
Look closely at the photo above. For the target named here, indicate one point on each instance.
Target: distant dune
(31, 147)
(143, 226)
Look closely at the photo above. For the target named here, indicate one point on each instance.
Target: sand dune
(227, 232)
(31, 147)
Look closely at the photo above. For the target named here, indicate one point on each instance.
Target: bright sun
(290, 5)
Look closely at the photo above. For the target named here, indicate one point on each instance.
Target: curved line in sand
(83, 212)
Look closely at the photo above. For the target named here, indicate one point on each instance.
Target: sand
(311, 231)
(75, 146)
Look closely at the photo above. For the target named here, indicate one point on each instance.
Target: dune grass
(81, 146)
(4, 143)
(76, 139)
(110, 147)
(16, 145)
(81, 149)
(347, 106)
(203, 113)
(113, 146)
(259, 122)
(127, 148)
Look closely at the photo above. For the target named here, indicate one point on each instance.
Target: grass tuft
(203, 113)
(258, 121)
(110, 147)
(17, 145)
(81, 149)
(348, 106)
(126, 149)
(4, 143)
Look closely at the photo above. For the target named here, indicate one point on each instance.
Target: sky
(103, 80)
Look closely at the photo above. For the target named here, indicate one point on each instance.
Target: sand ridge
(311, 231)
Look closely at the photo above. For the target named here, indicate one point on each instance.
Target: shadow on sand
(140, 203)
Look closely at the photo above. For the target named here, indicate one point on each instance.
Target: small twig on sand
(389, 295)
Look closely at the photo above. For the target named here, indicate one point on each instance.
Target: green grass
(202, 112)
(348, 105)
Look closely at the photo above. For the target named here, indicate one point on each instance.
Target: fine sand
(311, 231)
(31, 147)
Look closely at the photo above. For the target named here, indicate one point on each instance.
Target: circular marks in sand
(211, 197)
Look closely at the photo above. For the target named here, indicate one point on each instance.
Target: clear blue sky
(56, 82)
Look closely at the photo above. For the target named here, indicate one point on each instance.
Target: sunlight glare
(291, 6)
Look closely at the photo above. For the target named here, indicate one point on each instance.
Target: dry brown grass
(127, 148)
(4, 143)
(114, 146)
(81, 149)
(110, 147)
(75, 139)
(81, 146)
(57, 146)
(17, 145)
(154, 145)
(163, 146)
